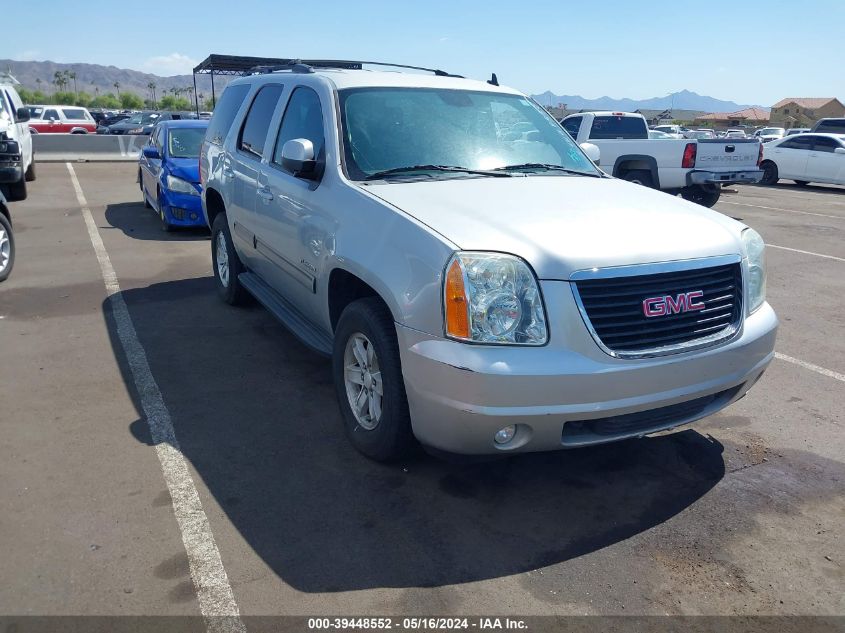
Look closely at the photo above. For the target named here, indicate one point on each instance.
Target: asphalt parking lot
(742, 513)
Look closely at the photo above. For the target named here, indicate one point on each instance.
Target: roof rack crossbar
(308, 65)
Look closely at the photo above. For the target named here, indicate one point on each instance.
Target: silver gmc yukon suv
(479, 283)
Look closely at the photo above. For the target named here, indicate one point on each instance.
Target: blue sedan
(168, 172)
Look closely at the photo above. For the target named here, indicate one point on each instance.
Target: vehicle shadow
(141, 223)
(789, 185)
(255, 414)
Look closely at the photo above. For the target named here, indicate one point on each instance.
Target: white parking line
(759, 206)
(216, 600)
(798, 250)
(819, 370)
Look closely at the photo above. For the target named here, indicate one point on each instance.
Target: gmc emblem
(667, 304)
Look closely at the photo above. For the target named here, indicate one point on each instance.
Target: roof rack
(308, 66)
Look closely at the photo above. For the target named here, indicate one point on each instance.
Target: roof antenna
(493, 81)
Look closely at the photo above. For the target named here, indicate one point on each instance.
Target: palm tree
(72, 76)
(116, 85)
(152, 87)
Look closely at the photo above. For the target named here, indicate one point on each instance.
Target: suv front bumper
(459, 395)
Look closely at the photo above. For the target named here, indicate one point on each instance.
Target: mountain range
(683, 100)
(94, 78)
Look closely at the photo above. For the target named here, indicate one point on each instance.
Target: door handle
(265, 194)
(228, 172)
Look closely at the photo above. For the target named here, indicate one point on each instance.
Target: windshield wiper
(447, 168)
(547, 167)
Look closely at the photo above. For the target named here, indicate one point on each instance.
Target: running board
(290, 317)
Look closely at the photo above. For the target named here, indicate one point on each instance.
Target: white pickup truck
(694, 168)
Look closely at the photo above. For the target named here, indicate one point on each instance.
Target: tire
(7, 248)
(166, 226)
(802, 183)
(389, 437)
(230, 290)
(770, 173)
(17, 190)
(147, 204)
(29, 175)
(700, 195)
(639, 177)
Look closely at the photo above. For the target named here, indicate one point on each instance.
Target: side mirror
(22, 115)
(298, 158)
(592, 152)
(151, 151)
(839, 150)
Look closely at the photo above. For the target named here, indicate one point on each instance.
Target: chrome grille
(612, 307)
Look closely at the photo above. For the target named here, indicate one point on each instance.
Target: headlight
(181, 186)
(755, 251)
(493, 298)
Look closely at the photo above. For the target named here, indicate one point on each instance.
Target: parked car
(736, 134)
(661, 135)
(796, 130)
(7, 240)
(168, 172)
(482, 295)
(696, 169)
(768, 134)
(677, 131)
(699, 134)
(143, 122)
(17, 158)
(831, 126)
(109, 120)
(59, 119)
(805, 158)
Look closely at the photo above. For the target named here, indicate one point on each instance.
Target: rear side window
(618, 127)
(799, 142)
(257, 122)
(75, 114)
(303, 119)
(833, 126)
(224, 113)
(572, 126)
(50, 114)
(824, 144)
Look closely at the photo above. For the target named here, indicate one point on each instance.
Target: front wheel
(17, 190)
(699, 195)
(368, 381)
(7, 248)
(225, 263)
(29, 176)
(770, 173)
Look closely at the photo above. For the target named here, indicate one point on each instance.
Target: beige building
(804, 112)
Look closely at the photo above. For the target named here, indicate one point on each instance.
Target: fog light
(193, 216)
(505, 435)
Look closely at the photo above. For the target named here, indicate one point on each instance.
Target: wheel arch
(213, 205)
(631, 162)
(345, 286)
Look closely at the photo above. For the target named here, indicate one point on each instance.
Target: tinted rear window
(618, 127)
(834, 126)
(257, 123)
(224, 113)
(75, 114)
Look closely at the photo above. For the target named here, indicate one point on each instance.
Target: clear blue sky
(748, 51)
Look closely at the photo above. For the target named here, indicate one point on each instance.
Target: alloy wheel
(362, 378)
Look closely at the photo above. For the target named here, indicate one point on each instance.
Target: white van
(17, 159)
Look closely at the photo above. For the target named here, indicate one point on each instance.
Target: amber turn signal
(455, 300)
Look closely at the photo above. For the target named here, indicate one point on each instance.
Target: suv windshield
(388, 129)
(185, 142)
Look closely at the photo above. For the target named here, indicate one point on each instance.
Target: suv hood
(560, 224)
